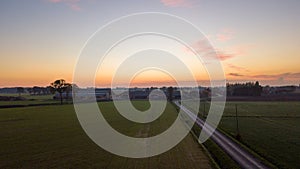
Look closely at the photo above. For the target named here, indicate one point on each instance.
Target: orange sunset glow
(35, 50)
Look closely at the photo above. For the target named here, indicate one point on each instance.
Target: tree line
(60, 86)
(244, 89)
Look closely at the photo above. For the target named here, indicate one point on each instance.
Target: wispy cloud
(177, 3)
(236, 68)
(222, 55)
(73, 4)
(55, 1)
(235, 74)
(225, 35)
(278, 76)
(266, 79)
(277, 79)
(204, 48)
(233, 51)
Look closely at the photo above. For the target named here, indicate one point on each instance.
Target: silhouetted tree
(59, 86)
(20, 90)
(170, 93)
(30, 91)
(244, 89)
(68, 89)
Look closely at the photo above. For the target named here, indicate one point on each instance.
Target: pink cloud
(233, 51)
(221, 55)
(54, 1)
(283, 78)
(177, 3)
(237, 68)
(235, 74)
(75, 7)
(267, 79)
(204, 48)
(278, 76)
(73, 4)
(225, 35)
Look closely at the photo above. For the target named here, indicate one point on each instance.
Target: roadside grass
(51, 137)
(270, 129)
(219, 156)
(278, 144)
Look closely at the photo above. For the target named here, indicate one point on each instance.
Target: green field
(271, 129)
(30, 99)
(51, 137)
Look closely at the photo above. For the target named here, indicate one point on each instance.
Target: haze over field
(255, 40)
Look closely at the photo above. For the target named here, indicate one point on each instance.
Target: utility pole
(238, 136)
(204, 109)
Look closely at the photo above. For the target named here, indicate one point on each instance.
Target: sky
(255, 40)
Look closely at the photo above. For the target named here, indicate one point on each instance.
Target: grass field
(271, 129)
(30, 99)
(51, 137)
